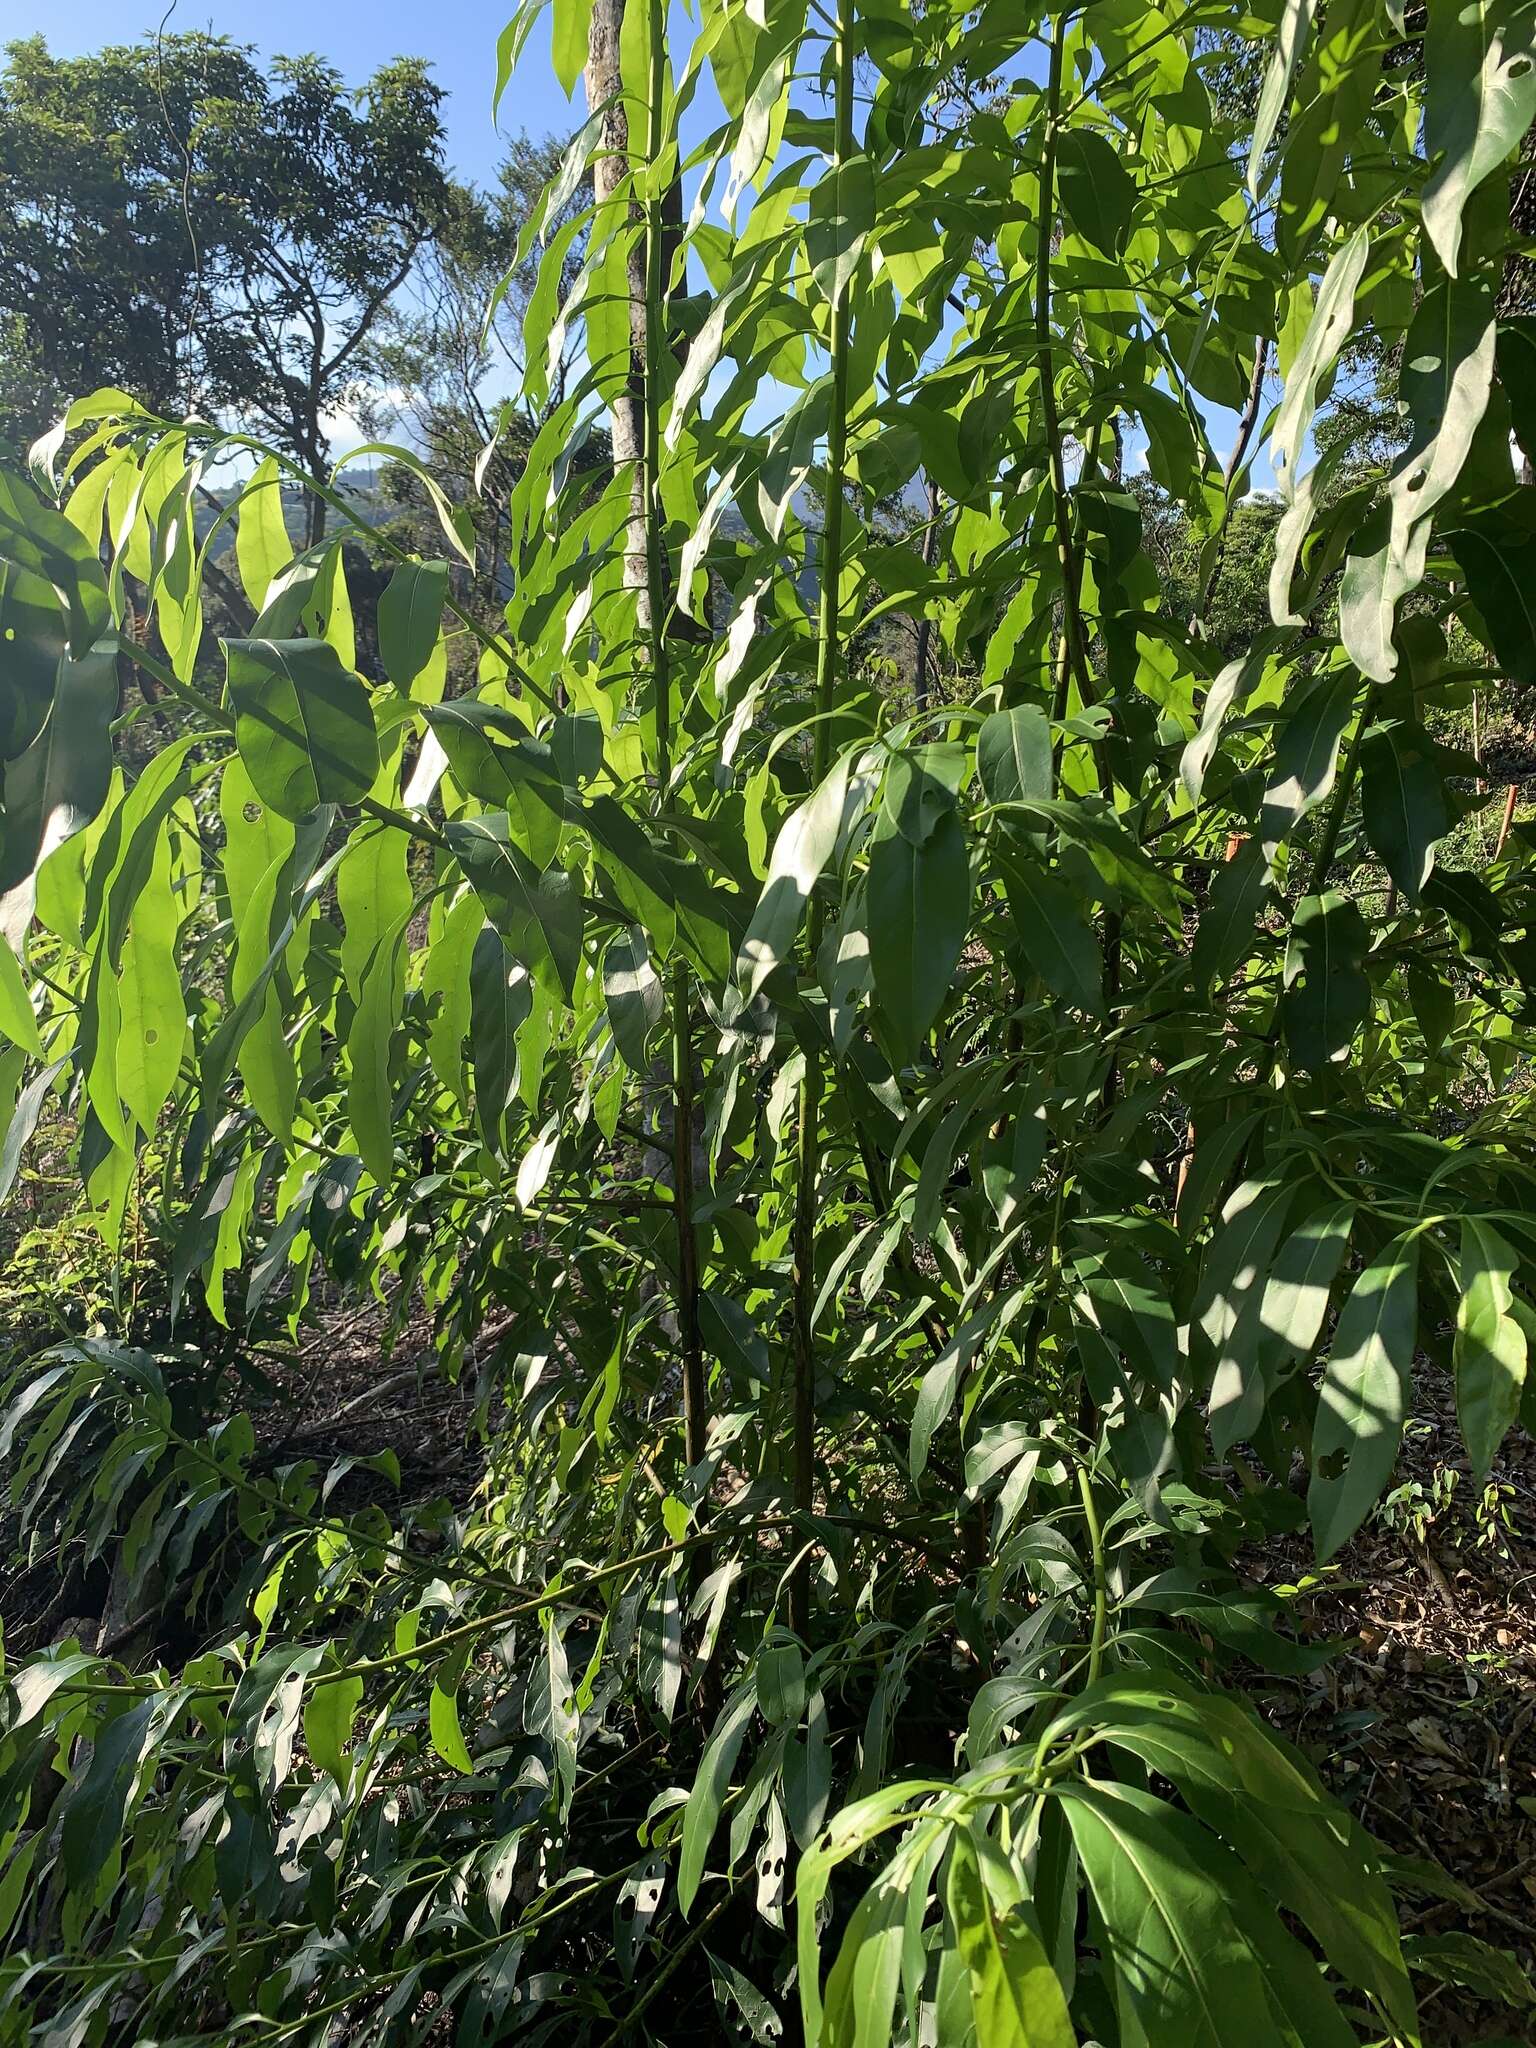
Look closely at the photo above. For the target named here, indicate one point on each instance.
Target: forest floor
(1424, 1720)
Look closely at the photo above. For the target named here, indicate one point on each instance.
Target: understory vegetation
(906, 988)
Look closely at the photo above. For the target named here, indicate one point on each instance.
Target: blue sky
(458, 37)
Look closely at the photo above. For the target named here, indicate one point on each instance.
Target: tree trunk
(609, 170)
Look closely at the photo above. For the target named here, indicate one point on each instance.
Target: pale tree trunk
(627, 412)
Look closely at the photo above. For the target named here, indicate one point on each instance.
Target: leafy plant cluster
(911, 1193)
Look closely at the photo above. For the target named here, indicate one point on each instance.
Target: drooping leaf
(1490, 1345)
(1327, 992)
(1364, 1396)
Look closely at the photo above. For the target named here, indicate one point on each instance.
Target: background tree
(108, 251)
(209, 237)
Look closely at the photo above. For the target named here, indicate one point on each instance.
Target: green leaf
(32, 632)
(18, 1020)
(500, 998)
(1499, 564)
(800, 852)
(370, 1054)
(1224, 937)
(1200, 1951)
(537, 913)
(303, 724)
(95, 1817)
(1327, 333)
(262, 547)
(841, 216)
(329, 1712)
(1489, 1351)
(781, 1684)
(1264, 1799)
(152, 1005)
(1457, 1958)
(41, 541)
(918, 907)
(1305, 755)
(633, 995)
(1480, 98)
(443, 1722)
(1098, 194)
(702, 1813)
(57, 786)
(1054, 936)
(568, 41)
(1299, 1284)
(1295, 27)
(1364, 1395)
(1327, 991)
(410, 620)
(1013, 754)
(1016, 1997)
(1403, 803)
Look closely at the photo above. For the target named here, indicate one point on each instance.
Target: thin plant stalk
(695, 1393)
(828, 634)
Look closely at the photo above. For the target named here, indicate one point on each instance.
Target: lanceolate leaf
(1364, 1399)
(262, 547)
(1016, 1997)
(918, 899)
(801, 851)
(1295, 26)
(60, 782)
(538, 914)
(37, 539)
(1490, 1347)
(500, 998)
(1402, 800)
(1195, 1944)
(702, 1813)
(410, 619)
(1098, 194)
(1013, 754)
(1499, 563)
(1327, 992)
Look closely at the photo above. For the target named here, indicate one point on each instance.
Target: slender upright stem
(925, 623)
(828, 636)
(1100, 1582)
(695, 1396)
(1074, 646)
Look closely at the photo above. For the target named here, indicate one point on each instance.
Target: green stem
(1100, 1584)
(828, 634)
(1074, 650)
